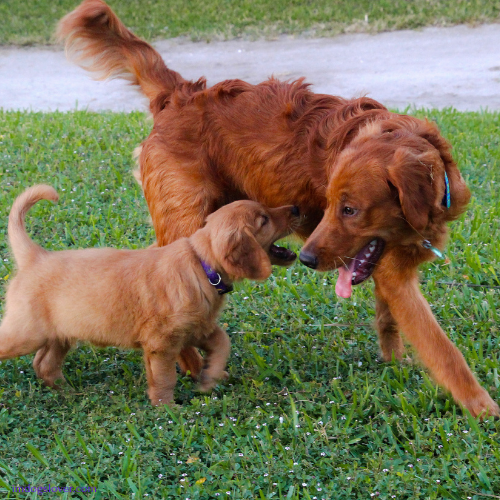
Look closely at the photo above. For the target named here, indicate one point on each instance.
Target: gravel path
(434, 67)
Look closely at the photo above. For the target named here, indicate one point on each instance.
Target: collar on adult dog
(447, 197)
(446, 202)
(215, 279)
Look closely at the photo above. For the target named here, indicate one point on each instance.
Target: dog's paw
(482, 406)
(160, 398)
(161, 402)
(207, 383)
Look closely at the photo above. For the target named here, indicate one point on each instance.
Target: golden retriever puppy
(156, 299)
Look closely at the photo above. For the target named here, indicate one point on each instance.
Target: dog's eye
(349, 211)
(265, 220)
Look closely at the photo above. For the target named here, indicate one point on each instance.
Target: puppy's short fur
(157, 299)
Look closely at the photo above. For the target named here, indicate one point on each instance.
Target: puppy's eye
(349, 211)
(265, 220)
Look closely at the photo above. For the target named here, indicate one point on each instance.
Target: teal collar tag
(427, 244)
(446, 202)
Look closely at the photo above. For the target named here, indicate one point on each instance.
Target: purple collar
(214, 278)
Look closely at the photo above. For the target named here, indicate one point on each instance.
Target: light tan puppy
(156, 299)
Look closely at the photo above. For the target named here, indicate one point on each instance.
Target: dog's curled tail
(99, 42)
(23, 247)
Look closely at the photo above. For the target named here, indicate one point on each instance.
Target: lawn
(33, 21)
(308, 411)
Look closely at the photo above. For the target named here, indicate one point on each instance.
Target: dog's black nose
(308, 259)
(295, 211)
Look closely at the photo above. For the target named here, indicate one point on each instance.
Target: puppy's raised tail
(99, 42)
(23, 247)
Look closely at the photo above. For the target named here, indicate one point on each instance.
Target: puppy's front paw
(207, 382)
(159, 398)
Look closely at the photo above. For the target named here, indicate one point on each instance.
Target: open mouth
(360, 268)
(281, 256)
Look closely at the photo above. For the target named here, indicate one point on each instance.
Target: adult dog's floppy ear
(241, 256)
(413, 176)
(459, 193)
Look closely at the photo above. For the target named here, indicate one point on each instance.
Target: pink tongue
(343, 287)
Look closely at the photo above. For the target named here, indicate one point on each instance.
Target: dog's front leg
(389, 337)
(161, 375)
(217, 346)
(445, 362)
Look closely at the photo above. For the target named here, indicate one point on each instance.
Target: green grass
(33, 21)
(307, 412)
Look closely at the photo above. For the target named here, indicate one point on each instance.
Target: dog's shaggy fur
(157, 299)
(369, 182)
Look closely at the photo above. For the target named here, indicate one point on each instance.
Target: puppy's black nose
(295, 211)
(308, 259)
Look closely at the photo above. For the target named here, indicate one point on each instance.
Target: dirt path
(435, 67)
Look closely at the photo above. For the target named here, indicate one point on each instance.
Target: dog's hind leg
(48, 362)
(391, 342)
(18, 339)
(217, 346)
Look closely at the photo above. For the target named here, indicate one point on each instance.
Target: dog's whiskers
(343, 262)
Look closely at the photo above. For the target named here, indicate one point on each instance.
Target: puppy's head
(385, 191)
(241, 238)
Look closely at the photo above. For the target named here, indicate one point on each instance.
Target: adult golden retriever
(158, 299)
(376, 188)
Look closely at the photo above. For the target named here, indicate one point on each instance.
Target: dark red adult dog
(376, 188)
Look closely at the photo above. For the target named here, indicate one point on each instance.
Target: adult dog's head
(387, 189)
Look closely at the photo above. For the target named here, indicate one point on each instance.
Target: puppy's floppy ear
(241, 255)
(413, 177)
